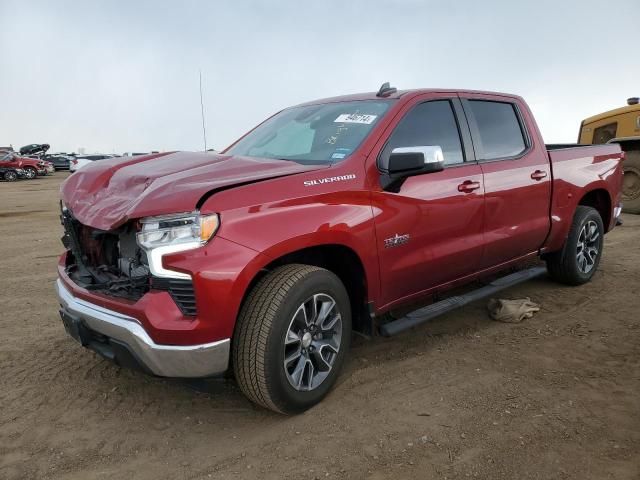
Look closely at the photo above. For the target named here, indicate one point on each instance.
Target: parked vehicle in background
(136, 154)
(32, 167)
(61, 161)
(622, 126)
(9, 174)
(38, 149)
(320, 220)
(81, 160)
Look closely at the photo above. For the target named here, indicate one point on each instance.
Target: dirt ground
(555, 397)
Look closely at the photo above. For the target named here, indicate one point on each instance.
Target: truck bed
(568, 151)
(561, 146)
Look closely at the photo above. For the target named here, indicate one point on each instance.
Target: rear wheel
(30, 172)
(578, 260)
(10, 176)
(291, 339)
(631, 183)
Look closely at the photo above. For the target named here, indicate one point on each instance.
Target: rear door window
(499, 129)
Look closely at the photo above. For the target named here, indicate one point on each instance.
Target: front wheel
(30, 173)
(10, 176)
(292, 337)
(578, 260)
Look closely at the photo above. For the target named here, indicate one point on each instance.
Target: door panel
(429, 231)
(517, 186)
(516, 209)
(444, 227)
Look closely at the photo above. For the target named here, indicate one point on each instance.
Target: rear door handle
(468, 186)
(538, 175)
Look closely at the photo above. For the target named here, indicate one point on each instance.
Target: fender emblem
(396, 240)
(320, 181)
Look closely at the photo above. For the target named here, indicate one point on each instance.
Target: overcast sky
(116, 76)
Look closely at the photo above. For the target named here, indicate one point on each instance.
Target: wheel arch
(600, 199)
(339, 259)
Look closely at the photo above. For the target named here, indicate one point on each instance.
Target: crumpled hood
(107, 193)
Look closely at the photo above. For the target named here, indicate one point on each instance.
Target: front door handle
(538, 175)
(468, 186)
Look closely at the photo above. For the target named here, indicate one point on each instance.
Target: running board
(422, 315)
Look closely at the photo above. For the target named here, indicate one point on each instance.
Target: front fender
(280, 228)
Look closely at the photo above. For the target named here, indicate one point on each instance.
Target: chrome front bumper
(203, 360)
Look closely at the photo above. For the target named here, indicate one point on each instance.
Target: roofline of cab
(401, 93)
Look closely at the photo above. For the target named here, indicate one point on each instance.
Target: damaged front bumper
(122, 339)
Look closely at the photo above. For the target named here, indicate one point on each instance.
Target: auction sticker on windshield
(355, 118)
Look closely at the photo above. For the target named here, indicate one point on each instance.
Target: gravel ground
(556, 396)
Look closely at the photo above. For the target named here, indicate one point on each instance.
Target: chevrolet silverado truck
(263, 259)
(29, 166)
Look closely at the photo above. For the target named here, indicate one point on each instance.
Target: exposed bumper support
(163, 360)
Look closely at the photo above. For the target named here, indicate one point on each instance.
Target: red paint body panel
(516, 205)
(267, 210)
(577, 172)
(22, 162)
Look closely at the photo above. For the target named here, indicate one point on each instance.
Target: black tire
(566, 266)
(267, 316)
(631, 182)
(30, 173)
(10, 176)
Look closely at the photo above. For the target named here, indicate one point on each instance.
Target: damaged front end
(112, 263)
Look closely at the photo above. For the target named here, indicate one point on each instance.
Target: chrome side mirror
(429, 156)
(416, 160)
(409, 161)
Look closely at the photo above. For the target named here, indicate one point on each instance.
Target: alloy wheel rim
(587, 249)
(30, 173)
(312, 342)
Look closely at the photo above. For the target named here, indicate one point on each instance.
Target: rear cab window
(499, 130)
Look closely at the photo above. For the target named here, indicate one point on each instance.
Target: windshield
(324, 133)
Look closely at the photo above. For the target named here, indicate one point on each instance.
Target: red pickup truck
(31, 167)
(264, 258)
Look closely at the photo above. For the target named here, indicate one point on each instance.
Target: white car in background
(82, 160)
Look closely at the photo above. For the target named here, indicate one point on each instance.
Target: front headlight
(179, 229)
(169, 234)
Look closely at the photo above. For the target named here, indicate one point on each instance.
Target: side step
(422, 315)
